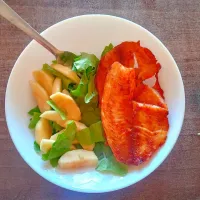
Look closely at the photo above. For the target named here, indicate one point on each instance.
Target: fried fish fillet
(116, 110)
(128, 54)
(134, 131)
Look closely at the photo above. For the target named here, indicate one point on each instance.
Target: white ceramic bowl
(89, 33)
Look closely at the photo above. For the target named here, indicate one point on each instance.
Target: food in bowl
(100, 114)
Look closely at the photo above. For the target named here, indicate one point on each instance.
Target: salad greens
(91, 90)
(110, 164)
(107, 49)
(82, 87)
(85, 65)
(34, 120)
(78, 146)
(55, 127)
(66, 58)
(84, 137)
(62, 143)
(36, 147)
(96, 130)
(35, 117)
(90, 111)
(50, 70)
(58, 110)
(91, 135)
(107, 162)
(34, 110)
(54, 162)
(91, 116)
(86, 98)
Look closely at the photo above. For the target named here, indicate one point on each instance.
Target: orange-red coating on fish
(116, 110)
(134, 115)
(127, 53)
(148, 95)
(133, 135)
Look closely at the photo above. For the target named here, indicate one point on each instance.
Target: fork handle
(9, 14)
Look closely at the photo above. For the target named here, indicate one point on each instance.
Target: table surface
(177, 24)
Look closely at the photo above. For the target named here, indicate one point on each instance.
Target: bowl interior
(90, 33)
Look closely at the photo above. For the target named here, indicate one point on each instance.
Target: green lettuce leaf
(99, 149)
(91, 93)
(110, 164)
(107, 49)
(34, 110)
(97, 132)
(58, 110)
(90, 111)
(107, 162)
(90, 116)
(54, 62)
(55, 127)
(85, 63)
(84, 137)
(54, 162)
(34, 120)
(50, 70)
(36, 147)
(66, 58)
(82, 87)
(78, 146)
(62, 143)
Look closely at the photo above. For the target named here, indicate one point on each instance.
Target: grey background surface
(177, 24)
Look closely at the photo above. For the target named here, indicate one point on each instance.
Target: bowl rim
(116, 187)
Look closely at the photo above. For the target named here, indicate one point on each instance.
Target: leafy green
(66, 58)
(110, 164)
(50, 70)
(58, 110)
(107, 162)
(54, 62)
(45, 156)
(90, 116)
(78, 146)
(90, 111)
(84, 137)
(62, 143)
(82, 87)
(91, 90)
(34, 110)
(36, 147)
(85, 63)
(107, 49)
(71, 87)
(99, 149)
(55, 127)
(54, 162)
(96, 130)
(34, 120)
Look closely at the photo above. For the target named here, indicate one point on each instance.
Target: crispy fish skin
(126, 53)
(116, 110)
(134, 131)
(148, 95)
(123, 53)
(157, 86)
(151, 117)
(134, 115)
(143, 144)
